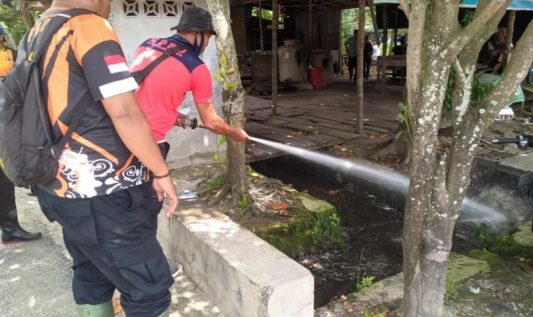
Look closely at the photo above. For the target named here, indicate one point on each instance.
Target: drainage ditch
(371, 215)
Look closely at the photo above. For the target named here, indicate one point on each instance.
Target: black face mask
(197, 47)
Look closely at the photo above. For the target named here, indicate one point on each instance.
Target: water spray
(383, 177)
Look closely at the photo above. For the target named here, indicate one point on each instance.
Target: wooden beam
(275, 22)
(510, 31)
(374, 20)
(395, 34)
(310, 20)
(261, 38)
(360, 66)
(385, 49)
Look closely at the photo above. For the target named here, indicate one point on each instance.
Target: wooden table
(394, 62)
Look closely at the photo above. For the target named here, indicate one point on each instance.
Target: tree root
(220, 196)
(398, 147)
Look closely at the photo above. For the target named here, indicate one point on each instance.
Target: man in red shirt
(161, 93)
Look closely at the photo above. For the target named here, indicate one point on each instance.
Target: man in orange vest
(7, 55)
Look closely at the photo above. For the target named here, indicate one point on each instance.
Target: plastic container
(316, 77)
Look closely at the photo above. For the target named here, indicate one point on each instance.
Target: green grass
(244, 203)
(364, 283)
(501, 245)
(213, 185)
(450, 288)
(328, 232)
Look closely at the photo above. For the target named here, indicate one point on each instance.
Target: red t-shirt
(163, 90)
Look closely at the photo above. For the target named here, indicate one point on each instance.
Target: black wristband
(162, 176)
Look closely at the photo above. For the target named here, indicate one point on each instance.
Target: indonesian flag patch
(116, 64)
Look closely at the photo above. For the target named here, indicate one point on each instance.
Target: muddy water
(372, 216)
(373, 225)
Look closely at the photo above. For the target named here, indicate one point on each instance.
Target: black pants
(7, 197)
(352, 67)
(367, 64)
(112, 240)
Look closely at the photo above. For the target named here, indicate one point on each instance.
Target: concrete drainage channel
(245, 276)
(241, 273)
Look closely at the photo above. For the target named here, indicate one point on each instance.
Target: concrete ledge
(242, 274)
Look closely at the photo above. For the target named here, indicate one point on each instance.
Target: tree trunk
(27, 17)
(233, 97)
(439, 179)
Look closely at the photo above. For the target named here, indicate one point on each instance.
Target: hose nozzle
(185, 121)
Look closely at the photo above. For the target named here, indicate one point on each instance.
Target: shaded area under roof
(516, 5)
(303, 4)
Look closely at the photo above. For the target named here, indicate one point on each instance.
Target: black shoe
(12, 232)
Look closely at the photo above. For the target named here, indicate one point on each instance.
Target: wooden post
(510, 31)
(385, 31)
(374, 20)
(275, 22)
(395, 35)
(383, 71)
(261, 39)
(360, 65)
(310, 35)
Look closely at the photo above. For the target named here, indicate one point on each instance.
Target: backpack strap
(57, 20)
(39, 49)
(139, 76)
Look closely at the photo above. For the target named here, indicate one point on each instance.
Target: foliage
(501, 245)
(364, 283)
(450, 287)
(447, 105)
(367, 313)
(327, 231)
(404, 119)
(350, 22)
(13, 22)
(223, 72)
(214, 185)
(468, 17)
(244, 203)
(222, 140)
(265, 13)
(479, 90)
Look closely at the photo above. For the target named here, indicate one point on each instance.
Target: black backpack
(28, 154)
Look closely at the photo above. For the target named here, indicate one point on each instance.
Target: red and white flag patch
(116, 64)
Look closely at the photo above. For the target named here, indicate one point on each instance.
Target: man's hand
(216, 124)
(165, 187)
(239, 135)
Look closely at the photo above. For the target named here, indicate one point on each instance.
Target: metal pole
(261, 39)
(275, 21)
(360, 66)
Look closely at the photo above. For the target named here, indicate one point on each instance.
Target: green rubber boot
(165, 314)
(100, 310)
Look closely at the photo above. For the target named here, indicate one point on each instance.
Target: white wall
(186, 145)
